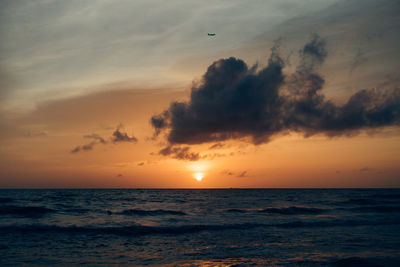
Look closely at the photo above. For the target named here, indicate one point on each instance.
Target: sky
(136, 94)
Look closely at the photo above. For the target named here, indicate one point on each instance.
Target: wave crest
(159, 212)
(137, 229)
(294, 210)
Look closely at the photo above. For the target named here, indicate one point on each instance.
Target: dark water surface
(287, 227)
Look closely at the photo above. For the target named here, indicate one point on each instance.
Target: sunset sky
(135, 94)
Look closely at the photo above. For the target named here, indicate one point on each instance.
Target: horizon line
(188, 188)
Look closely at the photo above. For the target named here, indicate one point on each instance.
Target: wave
(335, 223)
(236, 210)
(138, 230)
(27, 211)
(159, 212)
(294, 210)
(381, 209)
(59, 196)
(359, 201)
(76, 210)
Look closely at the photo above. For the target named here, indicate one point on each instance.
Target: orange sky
(288, 161)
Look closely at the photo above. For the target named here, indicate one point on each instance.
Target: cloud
(313, 54)
(119, 136)
(217, 146)
(74, 39)
(242, 174)
(359, 59)
(96, 137)
(184, 153)
(365, 169)
(215, 155)
(145, 162)
(85, 147)
(237, 174)
(234, 101)
(36, 134)
(181, 153)
(76, 149)
(227, 172)
(116, 137)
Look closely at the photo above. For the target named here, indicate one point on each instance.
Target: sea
(200, 227)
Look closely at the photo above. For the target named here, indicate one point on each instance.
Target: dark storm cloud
(313, 54)
(234, 101)
(230, 103)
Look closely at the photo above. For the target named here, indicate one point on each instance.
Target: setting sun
(198, 169)
(198, 176)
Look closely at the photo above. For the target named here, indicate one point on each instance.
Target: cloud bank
(235, 101)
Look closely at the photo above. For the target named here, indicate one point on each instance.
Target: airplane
(211, 34)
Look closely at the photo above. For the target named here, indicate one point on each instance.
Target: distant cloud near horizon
(240, 174)
(234, 101)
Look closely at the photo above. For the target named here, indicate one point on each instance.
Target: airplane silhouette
(211, 34)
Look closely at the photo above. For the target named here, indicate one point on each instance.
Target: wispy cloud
(181, 153)
(85, 147)
(95, 137)
(217, 146)
(117, 137)
(240, 174)
(36, 134)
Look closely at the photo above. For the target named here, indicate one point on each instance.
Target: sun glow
(198, 169)
(198, 176)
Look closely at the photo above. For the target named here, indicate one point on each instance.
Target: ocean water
(232, 227)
